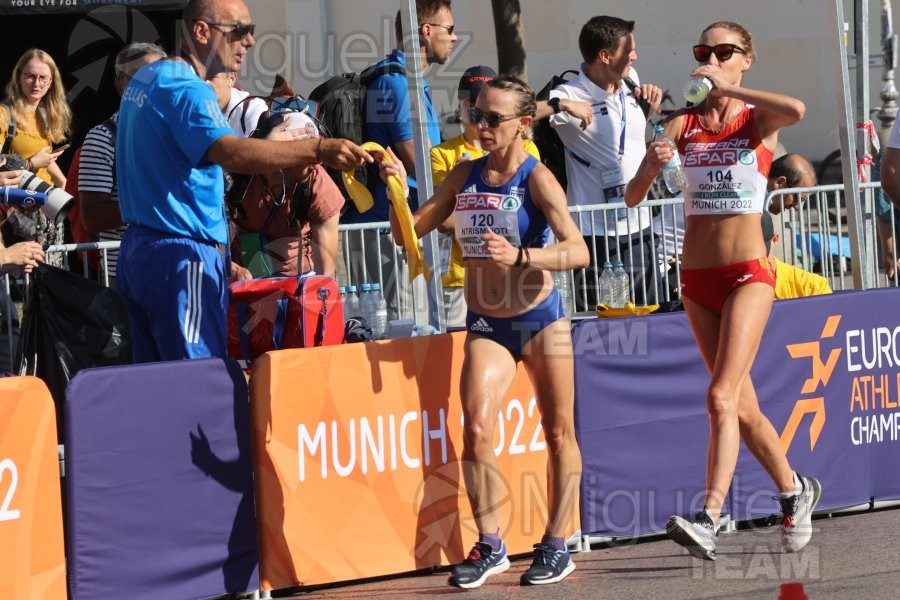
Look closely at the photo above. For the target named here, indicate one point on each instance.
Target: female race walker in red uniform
(726, 144)
(504, 206)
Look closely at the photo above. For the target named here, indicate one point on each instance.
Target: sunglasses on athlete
(491, 119)
(723, 52)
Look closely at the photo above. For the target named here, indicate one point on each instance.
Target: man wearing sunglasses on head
(171, 145)
(604, 156)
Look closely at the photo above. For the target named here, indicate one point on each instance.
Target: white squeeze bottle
(672, 172)
(696, 90)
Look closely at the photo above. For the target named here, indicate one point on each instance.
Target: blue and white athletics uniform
(508, 211)
(172, 269)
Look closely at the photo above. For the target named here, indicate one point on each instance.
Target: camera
(58, 201)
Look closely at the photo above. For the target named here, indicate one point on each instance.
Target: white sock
(797, 488)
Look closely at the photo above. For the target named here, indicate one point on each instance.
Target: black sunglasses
(240, 30)
(723, 52)
(491, 119)
(449, 28)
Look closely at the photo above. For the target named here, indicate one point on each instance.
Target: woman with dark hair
(505, 204)
(726, 144)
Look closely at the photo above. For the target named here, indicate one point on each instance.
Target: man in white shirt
(603, 157)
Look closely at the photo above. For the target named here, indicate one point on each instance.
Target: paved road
(850, 556)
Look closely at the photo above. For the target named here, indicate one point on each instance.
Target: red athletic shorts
(711, 287)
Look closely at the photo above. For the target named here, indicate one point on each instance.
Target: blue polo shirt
(168, 119)
(388, 121)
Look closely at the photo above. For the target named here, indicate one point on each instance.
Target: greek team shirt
(601, 159)
(168, 119)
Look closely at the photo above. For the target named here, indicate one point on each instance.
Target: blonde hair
(54, 117)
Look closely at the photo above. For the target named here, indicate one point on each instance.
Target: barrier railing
(813, 236)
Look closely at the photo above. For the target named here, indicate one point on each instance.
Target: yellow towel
(629, 310)
(363, 200)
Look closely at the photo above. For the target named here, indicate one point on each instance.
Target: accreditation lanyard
(622, 135)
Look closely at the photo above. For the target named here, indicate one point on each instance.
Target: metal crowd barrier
(813, 236)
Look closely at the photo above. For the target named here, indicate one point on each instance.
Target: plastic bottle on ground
(623, 285)
(367, 305)
(605, 285)
(380, 322)
(672, 171)
(351, 305)
(562, 283)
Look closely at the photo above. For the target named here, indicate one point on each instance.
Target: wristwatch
(554, 104)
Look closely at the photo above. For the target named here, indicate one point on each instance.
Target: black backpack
(342, 109)
(551, 147)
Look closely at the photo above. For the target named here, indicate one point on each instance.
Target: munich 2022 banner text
(32, 557)
(357, 453)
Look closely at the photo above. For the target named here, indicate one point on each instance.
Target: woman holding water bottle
(505, 204)
(726, 144)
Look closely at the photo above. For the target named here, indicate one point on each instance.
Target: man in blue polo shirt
(389, 123)
(172, 143)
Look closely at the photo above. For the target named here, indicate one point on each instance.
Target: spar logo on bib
(510, 203)
(747, 157)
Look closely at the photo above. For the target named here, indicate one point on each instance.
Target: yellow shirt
(443, 158)
(793, 282)
(27, 141)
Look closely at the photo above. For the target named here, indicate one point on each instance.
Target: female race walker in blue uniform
(504, 206)
(726, 143)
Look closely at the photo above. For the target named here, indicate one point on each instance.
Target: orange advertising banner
(357, 451)
(32, 556)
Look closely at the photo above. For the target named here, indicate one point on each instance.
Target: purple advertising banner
(827, 376)
(159, 482)
(43, 7)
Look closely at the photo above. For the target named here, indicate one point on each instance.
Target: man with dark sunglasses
(389, 123)
(172, 142)
(604, 156)
(788, 171)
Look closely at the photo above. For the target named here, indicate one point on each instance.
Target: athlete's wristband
(519, 257)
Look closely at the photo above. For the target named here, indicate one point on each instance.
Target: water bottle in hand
(696, 90)
(672, 171)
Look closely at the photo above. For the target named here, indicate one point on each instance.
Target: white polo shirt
(601, 159)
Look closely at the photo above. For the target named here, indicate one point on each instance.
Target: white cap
(299, 120)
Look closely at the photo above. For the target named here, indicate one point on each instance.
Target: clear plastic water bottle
(562, 283)
(380, 322)
(696, 90)
(605, 284)
(351, 306)
(623, 285)
(367, 304)
(672, 172)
